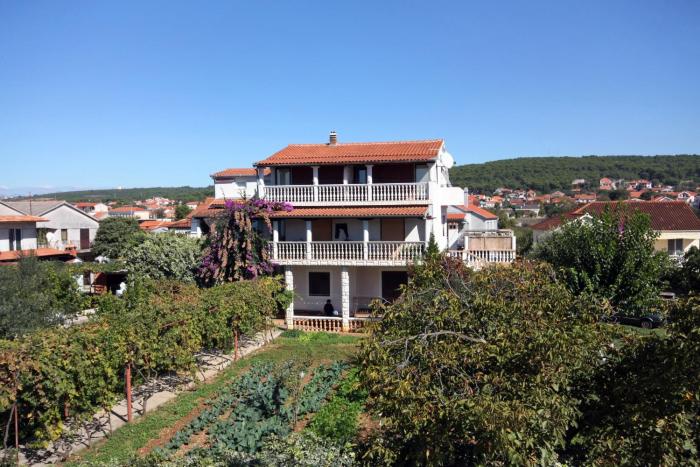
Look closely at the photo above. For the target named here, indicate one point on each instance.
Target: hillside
(547, 174)
(129, 195)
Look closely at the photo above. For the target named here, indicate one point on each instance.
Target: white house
(92, 208)
(362, 213)
(66, 226)
(236, 183)
(138, 212)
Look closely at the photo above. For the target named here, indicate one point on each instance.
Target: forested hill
(547, 174)
(129, 195)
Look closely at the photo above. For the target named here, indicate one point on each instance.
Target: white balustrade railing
(394, 251)
(403, 193)
(480, 258)
(347, 251)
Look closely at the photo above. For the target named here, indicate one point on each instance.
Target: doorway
(391, 282)
(392, 230)
(322, 230)
(84, 239)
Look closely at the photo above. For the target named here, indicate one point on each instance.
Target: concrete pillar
(315, 181)
(347, 174)
(365, 239)
(261, 182)
(513, 242)
(369, 181)
(309, 239)
(345, 297)
(275, 238)
(289, 284)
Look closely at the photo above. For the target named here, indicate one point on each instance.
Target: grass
(292, 345)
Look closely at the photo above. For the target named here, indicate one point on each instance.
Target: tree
(165, 256)
(238, 243)
(477, 368)
(116, 236)
(643, 406)
(610, 255)
(35, 295)
(686, 277)
(618, 195)
(523, 240)
(181, 211)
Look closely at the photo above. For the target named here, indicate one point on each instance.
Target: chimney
(333, 138)
(466, 197)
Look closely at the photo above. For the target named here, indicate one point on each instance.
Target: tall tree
(610, 255)
(116, 236)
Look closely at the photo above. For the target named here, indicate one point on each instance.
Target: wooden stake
(17, 429)
(129, 414)
(235, 346)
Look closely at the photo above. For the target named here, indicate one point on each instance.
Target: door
(393, 230)
(391, 282)
(84, 239)
(322, 230)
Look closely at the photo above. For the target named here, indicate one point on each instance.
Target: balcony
(346, 253)
(350, 194)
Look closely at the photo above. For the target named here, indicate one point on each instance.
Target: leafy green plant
(116, 236)
(165, 256)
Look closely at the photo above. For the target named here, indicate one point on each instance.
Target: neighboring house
(583, 198)
(607, 184)
(142, 214)
(675, 222)
(183, 226)
(18, 237)
(578, 184)
(155, 226)
(687, 197)
(475, 231)
(237, 183)
(92, 208)
(558, 194)
(362, 213)
(66, 226)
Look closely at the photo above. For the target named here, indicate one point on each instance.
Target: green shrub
(165, 256)
(338, 420)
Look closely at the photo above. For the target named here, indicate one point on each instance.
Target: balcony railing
(346, 252)
(480, 258)
(350, 194)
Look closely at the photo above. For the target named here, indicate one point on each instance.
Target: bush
(610, 256)
(36, 295)
(338, 419)
(478, 367)
(165, 256)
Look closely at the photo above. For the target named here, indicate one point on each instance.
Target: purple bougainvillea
(237, 246)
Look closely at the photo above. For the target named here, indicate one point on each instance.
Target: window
(15, 239)
(360, 175)
(284, 177)
(320, 284)
(64, 235)
(675, 246)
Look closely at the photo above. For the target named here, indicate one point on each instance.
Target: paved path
(156, 393)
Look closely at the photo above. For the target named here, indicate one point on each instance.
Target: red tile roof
(100, 215)
(152, 225)
(39, 253)
(380, 211)
(84, 205)
(455, 216)
(664, 215)
(22, 218)
(355, 153)
(488, 215)
(185, 223)
(210, 207)
(238, 173)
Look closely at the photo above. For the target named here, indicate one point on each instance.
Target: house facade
(236, 183)
(65, 226)
(675, 222)
(362, 213)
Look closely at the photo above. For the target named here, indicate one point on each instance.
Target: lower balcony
(380, 253)
(479, 258)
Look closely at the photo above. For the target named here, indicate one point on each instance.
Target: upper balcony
(350, 194)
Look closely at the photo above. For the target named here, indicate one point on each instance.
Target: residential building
(583, 198)
(607, 184)
(674, 221)
(578, 184)
(138, 212)
(66, 226)
(237, 183)
(92, 208)
(18, 236)
(362, 213)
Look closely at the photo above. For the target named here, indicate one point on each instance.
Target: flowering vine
(238, 244)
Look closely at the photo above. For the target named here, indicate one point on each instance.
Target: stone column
(275, 238)
(289, 283)
(345, 297)
(261, 182)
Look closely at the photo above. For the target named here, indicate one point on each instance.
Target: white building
(66, 227)
(362, 213)
(92, 208)
(236, 183)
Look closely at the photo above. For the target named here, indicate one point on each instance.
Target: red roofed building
(362, 213)
(676, 223)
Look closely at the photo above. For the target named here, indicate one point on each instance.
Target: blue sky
(134, 93)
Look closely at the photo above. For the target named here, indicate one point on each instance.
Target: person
(328, 309)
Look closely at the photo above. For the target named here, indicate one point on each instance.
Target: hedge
(67, 374)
